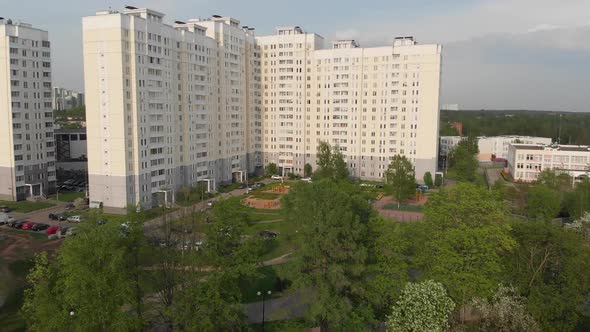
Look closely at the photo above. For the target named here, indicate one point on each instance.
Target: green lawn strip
(68, 196)
(266, 195)
(14, 279)
(26, 206)
(284, 243)
(403, 207)
(228, 188)
(291, 325)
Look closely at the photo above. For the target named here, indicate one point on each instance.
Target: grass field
(26, 206)
(68, 196)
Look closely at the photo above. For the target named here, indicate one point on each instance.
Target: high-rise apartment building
(206, 100)
(168, 106)
(27, 151)
(373, 103)
(64, 99)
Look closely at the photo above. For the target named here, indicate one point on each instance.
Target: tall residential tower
(27, 151)
(205, 100)
(167, 105)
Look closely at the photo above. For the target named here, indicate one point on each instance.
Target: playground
(269, 199)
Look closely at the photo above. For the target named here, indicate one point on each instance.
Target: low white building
(526, 161)
(490, 147)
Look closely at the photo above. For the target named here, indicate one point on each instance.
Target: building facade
(490, 147)
(526, 161)
(205, 100)
(168, 105)
(64, 99)
(372, 103)
(27, 150)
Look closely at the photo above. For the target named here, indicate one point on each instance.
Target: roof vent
(216, 16)
(130, 7)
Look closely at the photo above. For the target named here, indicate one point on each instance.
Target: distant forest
(574, 126)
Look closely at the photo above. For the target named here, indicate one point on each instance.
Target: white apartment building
(373, 103)
(27, 151)
(526, 161)
(205, 100)
(489, 147)
(168, 105)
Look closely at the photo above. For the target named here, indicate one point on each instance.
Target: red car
(52, 230)
(28, 225)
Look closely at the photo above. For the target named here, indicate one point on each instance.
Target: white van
(75, 219)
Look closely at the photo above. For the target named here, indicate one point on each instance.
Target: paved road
(42, 216)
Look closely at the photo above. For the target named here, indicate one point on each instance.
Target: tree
(271, 169)
(505, 312)
(93, 282)
(543, 202)
(401, 179)
(213, 302)
(438, 180)
(463, 159)
(549, 266)
(422, 306)
(334, 226)
(467, 237)
(307, 170)
(428, 179)
(331, 164)
(581, 226)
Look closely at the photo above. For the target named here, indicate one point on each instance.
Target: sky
(497, 54)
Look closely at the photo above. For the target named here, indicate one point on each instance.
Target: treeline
(528, 123)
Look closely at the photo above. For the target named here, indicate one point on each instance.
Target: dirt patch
(16, 246)
(280, 189)
(257, 203)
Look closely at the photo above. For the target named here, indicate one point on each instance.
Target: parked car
(70, 206)
(306, 179)
(210, 203)
(75, 219)
(27, 225)
(16, 224)
(379, 186)
(53, 216)
(242, 186)
(51, 230)
(5, 209)
(423, 187)
(276, 177)
(258, 185)
(39, 227)
(5, 218)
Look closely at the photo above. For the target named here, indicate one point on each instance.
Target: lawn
(69, 196)
(404, 207)
(265, 195)
(26, 206)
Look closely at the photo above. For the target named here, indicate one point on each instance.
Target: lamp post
(263, 298)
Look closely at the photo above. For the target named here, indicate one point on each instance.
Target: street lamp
(263, 297)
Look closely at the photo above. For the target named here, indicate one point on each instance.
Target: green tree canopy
(307, 170)
(543, 202)
(271, 169)
(428, 179)
(549, 266)
(463, 159)
(334, 224)
(331, 164)
(467, 236)
(400, 178)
